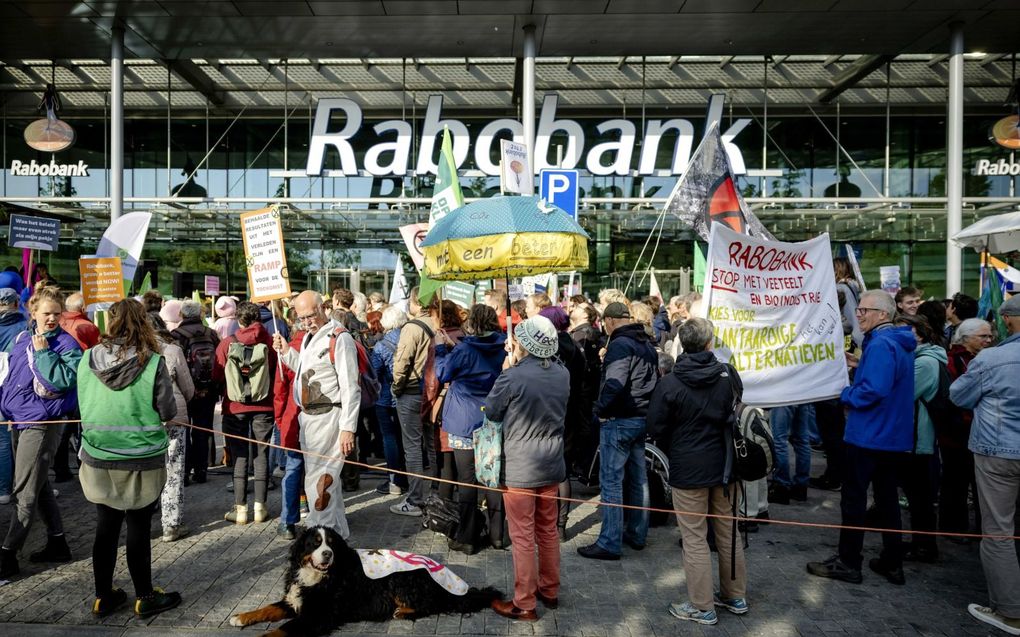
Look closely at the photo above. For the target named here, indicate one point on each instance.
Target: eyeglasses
(865, 310)
(984, 337)
(307, 318)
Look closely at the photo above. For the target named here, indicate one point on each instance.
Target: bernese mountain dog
(326, 586)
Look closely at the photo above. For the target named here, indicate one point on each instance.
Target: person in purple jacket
(41, 386)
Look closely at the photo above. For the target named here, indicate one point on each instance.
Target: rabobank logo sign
(987, 167)
(613, 150)
(52, 169)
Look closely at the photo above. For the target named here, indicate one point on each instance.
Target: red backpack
(367, 380)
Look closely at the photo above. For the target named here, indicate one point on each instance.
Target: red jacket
(285, 409)
(81, 328)
(251, 335)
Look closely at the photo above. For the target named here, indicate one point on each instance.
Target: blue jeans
(622, 464)
(792, 425)
(277, 457)
(293, 477)
(6, 460)
(393, 448)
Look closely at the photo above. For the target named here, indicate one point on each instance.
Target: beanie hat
(226, 307)
(538, 337)
(171, 313)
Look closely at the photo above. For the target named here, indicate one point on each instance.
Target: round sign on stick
(1006, 132)
(49, 135)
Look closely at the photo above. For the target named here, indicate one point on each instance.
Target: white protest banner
(264, 255)
(413, 234)
(776, 316)
(516, 174)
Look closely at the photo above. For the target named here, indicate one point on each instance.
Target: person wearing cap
(989, 388)
(629, 373)
(530, 399)
(226, 321)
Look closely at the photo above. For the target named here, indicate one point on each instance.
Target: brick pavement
(223, 568)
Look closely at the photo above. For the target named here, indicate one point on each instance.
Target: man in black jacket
(629, 373)
(199, 344)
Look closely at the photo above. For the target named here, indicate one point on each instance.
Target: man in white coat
(328, 395)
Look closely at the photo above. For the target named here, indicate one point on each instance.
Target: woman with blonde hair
(126, 394)
(41, 386)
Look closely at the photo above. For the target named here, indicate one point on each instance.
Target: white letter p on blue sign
(559, 187)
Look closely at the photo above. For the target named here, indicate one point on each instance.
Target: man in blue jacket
(879, 434)
(989, 387)
(629, 372)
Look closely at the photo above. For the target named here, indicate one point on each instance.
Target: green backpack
(247, 373)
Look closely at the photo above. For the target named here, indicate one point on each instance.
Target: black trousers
(956, 486)
(197, 455)
(920, 479)
(880, 469)
(258, 426)
(831, 426)
(139, 551)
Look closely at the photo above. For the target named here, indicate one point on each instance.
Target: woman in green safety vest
(125, 395)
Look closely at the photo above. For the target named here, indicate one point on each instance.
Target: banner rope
(558, 498)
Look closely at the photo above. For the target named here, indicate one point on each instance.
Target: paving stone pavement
(222, 568)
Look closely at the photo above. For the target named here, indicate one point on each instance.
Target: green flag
(446, 196)
(699, 267)
(146, 283)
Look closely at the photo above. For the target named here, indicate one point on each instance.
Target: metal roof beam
(198, 79)
(851, 75)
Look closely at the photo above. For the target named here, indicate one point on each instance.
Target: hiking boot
(987, 615)
(156, 602)
(892, 573)
(8, 563)
(406, 508)
(286, 532)
(737, 605)
(798, 492)
(237, 515)
(689, 612)
(174, 533)
(261, 513)
(107, 604)
(56, 550)
(835, 568)
(778, 494)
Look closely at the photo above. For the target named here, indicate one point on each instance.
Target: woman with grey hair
(971, 336)
(393, 319)
(689, 416)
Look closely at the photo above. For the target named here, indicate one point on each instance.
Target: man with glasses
(328, 396)
(989, 387)
(879, 434)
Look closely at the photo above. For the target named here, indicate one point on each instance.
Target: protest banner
(515, 174)
(212, 285)
(889, 278)
(264, 254)
(413, 234)
(38, 233)
(101, 280)
(776, 316)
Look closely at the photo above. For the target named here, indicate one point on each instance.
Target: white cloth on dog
(378, 563)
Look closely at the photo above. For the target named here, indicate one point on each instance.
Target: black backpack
(753, 445)
(200, 352)
(941, 410)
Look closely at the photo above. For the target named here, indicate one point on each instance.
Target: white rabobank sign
(615, 156)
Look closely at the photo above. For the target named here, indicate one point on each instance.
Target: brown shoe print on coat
(325, 482)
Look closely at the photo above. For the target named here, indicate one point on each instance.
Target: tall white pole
(954, 161)
(528, 93)
(117, 123)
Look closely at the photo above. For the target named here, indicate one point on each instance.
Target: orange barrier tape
(793, 523)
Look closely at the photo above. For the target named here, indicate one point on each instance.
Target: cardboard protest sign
(101, 279)
(264, 255)
(776, 316)
(212, 285)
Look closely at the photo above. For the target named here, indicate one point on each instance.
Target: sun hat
(226, 306)
(538, 337)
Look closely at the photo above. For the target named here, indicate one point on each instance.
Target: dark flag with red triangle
(707, 193)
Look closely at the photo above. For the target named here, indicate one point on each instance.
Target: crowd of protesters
(581, 388)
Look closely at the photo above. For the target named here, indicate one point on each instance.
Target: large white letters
(321, 137)
(432, 127)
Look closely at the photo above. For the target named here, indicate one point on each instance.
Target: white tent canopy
(997, 234)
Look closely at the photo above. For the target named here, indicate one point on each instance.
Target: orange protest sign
(101, 279)
(264, 256)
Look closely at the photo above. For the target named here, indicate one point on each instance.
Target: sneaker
(388, 488)
(737, 605)
(109, 603)
(174, 533)
(286, 532)
(156, 602)
(688, 612)
(992, 618)
(406, 508)
(892, 573)
(834, 568)
(5, 499)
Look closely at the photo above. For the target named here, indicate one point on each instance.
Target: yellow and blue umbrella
(504, 237)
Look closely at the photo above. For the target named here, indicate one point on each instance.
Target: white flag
(654, 287)
(399, 290)
(125, 238)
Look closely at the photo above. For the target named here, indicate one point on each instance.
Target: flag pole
(276, 332)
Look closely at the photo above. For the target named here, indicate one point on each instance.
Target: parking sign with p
(559, 187)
